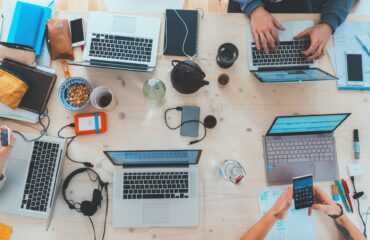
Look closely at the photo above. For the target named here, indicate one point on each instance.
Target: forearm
(248, 6)
(260, 229)
(347, 229)
(334, 12)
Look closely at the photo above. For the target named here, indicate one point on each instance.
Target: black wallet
(40, 84)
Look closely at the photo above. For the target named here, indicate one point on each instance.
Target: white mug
(103, 98)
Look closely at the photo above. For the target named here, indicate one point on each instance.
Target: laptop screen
(154, 157)
(306, 124)
(292, 75)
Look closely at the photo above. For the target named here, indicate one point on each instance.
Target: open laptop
(33, 174)
(155, 188)
(300, 145)
(287, 64)
(121, 42)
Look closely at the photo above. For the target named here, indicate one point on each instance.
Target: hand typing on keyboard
(264, 27)
(319, 36)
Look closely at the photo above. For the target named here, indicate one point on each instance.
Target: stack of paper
(287, 228)
(344, 41)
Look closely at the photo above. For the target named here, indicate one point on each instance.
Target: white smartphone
(355, 74)
(77, 32)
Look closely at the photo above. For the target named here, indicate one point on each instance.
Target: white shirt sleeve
(2, 180)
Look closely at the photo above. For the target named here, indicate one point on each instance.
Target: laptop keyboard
(300, 150)
(287, 53)
(155, 185)
(40, 176)
(121, 48)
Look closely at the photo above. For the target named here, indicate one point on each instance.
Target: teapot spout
(204, 83)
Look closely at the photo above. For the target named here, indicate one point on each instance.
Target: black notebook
(175, 32)
(40, 85)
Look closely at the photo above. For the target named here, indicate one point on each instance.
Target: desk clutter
(159, 188)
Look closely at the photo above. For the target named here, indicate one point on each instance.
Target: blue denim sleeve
(334, 12)
(248, 6)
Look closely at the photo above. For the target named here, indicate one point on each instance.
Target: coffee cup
(223, 79)
(102, 98)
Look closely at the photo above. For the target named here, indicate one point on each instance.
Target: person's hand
(282, 205)
(323, 203)
(319, 36)
(264, 29)
(6, 151)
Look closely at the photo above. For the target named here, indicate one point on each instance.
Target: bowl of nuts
(74, 93)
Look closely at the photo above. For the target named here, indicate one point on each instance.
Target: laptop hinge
(283, 68)
(154, 166)
(113, 64)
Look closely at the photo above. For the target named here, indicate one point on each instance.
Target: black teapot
(187, 77)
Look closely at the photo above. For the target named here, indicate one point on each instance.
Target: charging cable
(44, 130)
(70, 140)
(357, 196)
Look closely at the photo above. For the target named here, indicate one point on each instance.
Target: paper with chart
(287, 229)
(345, 40)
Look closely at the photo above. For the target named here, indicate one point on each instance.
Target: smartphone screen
(303, 191)
(354, 67)
(77, 30)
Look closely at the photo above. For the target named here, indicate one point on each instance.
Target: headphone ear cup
(88, 208)
(97, 197)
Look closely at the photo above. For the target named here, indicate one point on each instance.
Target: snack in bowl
(74, 93)
(78, 95)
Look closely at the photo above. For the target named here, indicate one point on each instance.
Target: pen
(342, 195)
(346, 189)
(356, 144)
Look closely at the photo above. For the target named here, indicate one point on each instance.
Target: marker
(356, 144)
(346, 189)
(335, 193)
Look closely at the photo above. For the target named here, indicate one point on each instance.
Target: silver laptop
(287, 64)
(300, 145)
(155, 188)
(32, 177)
(121, 42)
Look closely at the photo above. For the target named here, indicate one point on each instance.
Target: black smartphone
(77, 32)
(303, 191)
(354, 68)
(5, 137)
(190, 129)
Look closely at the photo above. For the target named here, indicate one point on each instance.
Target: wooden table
(244, 109)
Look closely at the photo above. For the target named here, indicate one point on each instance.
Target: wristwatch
(337, 215)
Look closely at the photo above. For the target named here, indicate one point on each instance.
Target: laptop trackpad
(156, 213)
(299, 169)
(123, 24)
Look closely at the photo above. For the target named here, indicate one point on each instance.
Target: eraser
(354, 169)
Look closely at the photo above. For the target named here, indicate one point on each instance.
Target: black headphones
(87, 208)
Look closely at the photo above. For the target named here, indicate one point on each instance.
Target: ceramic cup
(103, 98)
(223, 79)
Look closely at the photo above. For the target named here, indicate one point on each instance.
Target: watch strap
(334, 216)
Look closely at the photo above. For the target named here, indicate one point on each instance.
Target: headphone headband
(73, 174)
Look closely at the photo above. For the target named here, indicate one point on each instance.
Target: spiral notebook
(175, 32)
